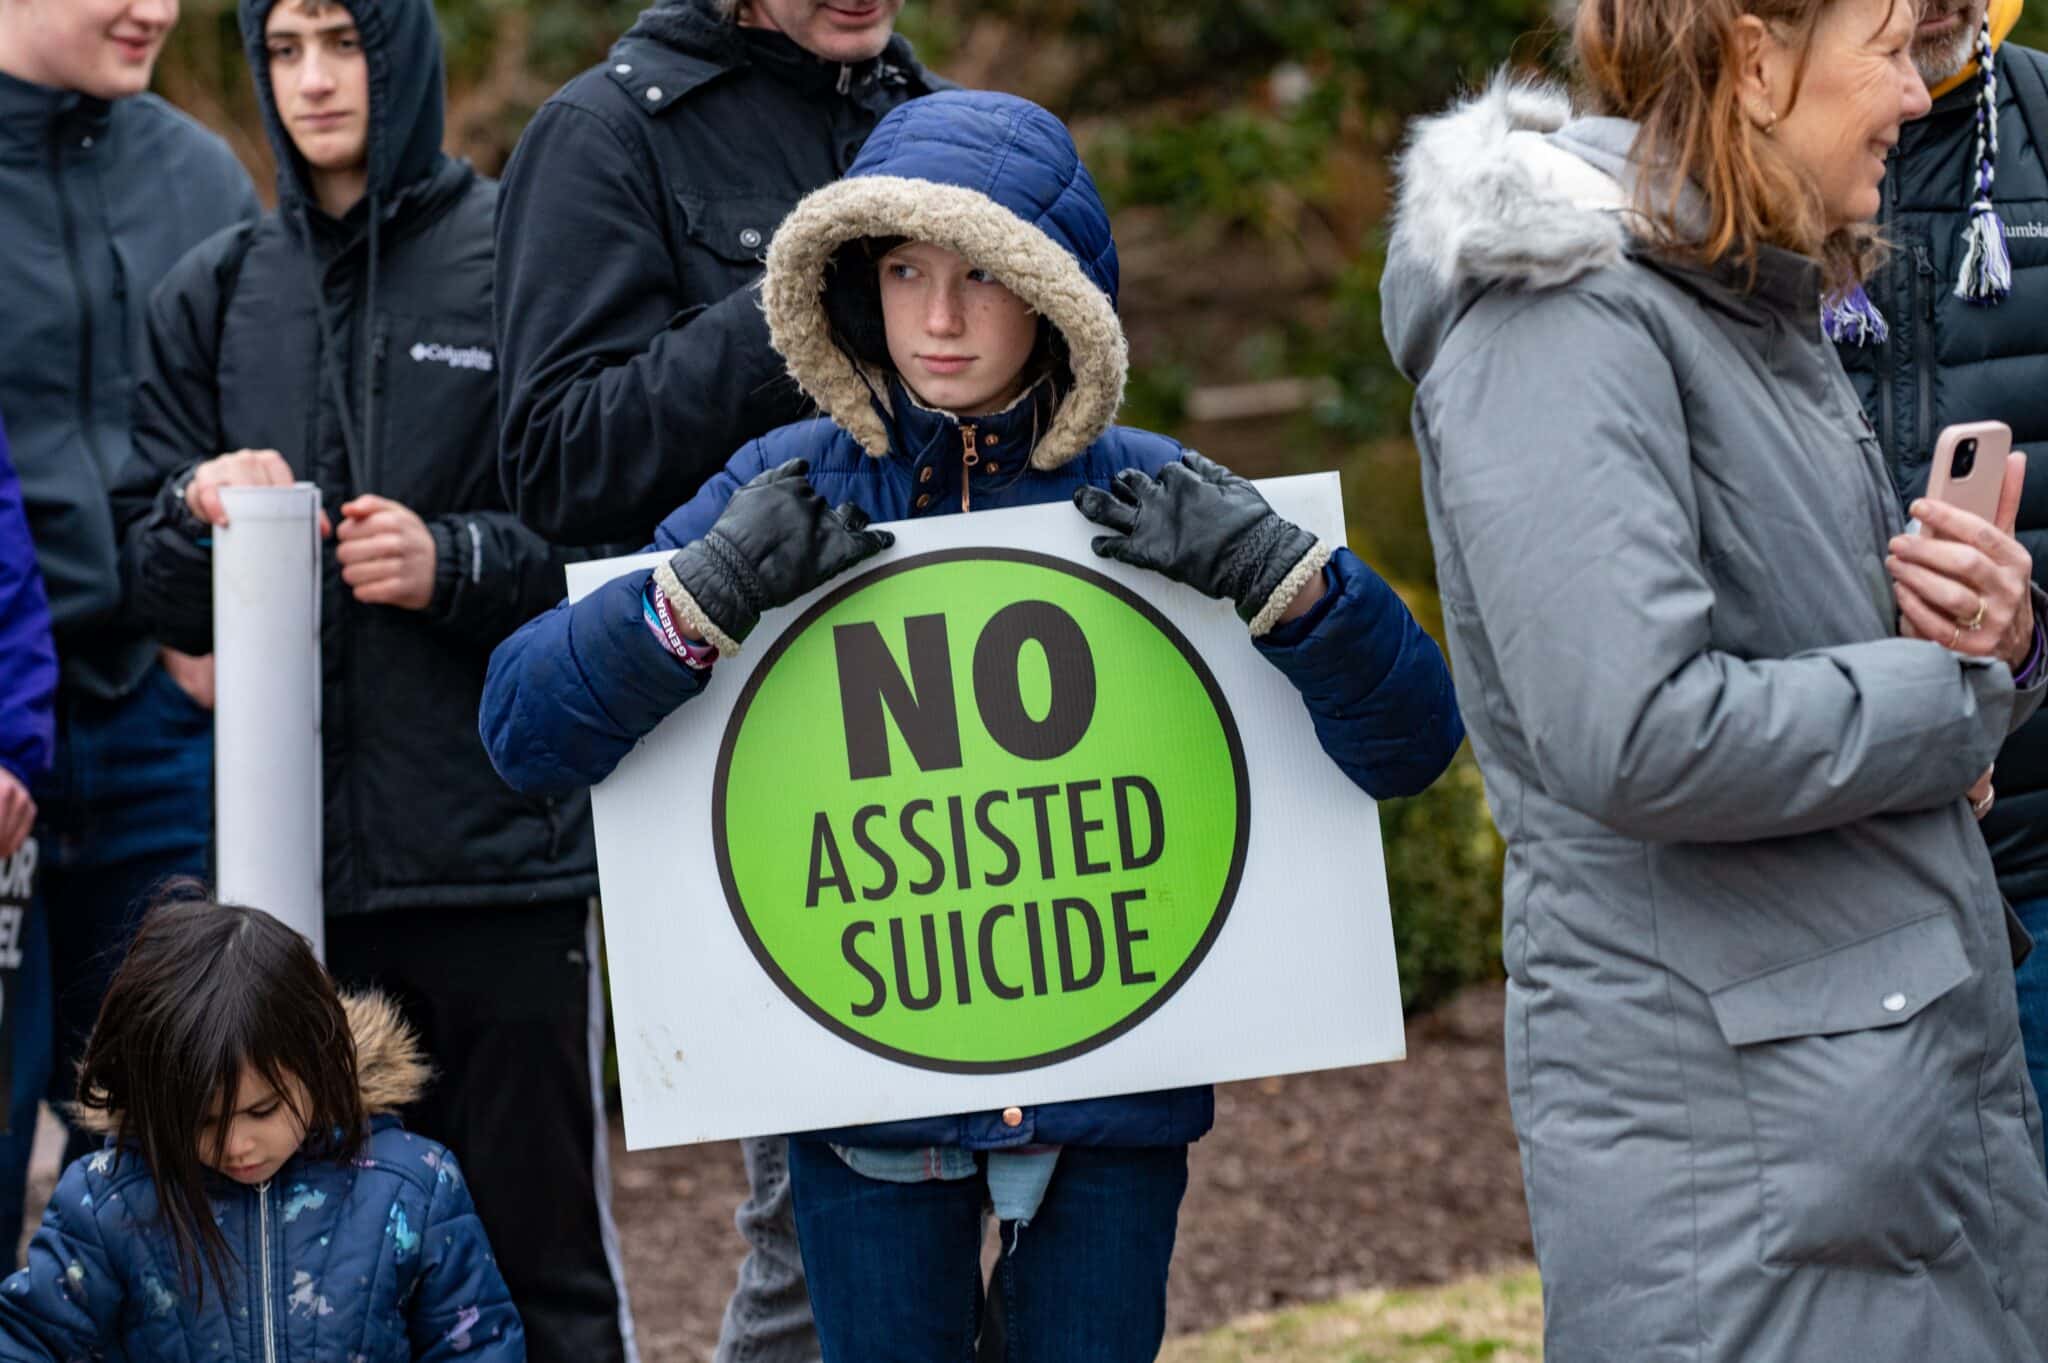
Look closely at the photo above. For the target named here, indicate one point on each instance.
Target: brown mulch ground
(1310, 1186)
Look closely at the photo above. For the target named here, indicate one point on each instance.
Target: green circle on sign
(980, 810)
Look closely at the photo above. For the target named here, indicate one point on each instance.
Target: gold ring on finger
(1955, 638)
(1976, 622)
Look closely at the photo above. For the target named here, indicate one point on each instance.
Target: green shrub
(1443, 875)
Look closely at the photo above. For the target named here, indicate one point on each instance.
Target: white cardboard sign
(1297, 974)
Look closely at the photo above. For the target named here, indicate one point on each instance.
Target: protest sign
(17, 901)
(989, 821)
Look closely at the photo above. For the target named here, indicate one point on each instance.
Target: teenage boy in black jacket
(345, 340)
(635, 218)
(636, 215)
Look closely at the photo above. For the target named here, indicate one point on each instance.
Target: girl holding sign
(950, 305)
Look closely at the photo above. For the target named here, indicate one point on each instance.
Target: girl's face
(958, 338)
(264, 1129)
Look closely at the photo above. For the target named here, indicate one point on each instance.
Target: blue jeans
(128, 806)
(895, 1268)
(2031, 975)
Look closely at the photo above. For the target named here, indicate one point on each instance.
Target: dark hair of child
(206, 989)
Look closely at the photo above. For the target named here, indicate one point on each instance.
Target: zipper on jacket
(380, 346)
(969, 457)
(87, 427)
(1887, 363)
(263, 1247)
(1923, 353)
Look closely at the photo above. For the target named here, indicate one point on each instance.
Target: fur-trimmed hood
(996, 179)
(391, 1072)
(1505, 187)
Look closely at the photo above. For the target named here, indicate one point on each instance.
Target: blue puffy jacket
(28, 660)
(378, 1261)
(989, 176)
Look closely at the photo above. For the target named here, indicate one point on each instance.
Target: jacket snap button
(1894, 1002)
(750, 238)
(924, 501)
(924, 475)
(988, 439)
(987, 469)
(1013, 1116)
(624, 68)
(654, 94)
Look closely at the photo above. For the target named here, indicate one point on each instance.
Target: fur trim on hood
(1488, 196)
(955, 170)
(391, 1072)
(1484, 195)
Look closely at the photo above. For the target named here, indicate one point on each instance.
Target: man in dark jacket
(1957, 348)
(634, 219)
(102, 188)
(635, 214)
(345, 341)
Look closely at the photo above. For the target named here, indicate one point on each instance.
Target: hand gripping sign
(988, 822)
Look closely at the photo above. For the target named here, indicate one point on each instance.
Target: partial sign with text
(990, 821)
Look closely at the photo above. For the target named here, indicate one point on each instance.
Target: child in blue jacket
(256, 1201)
(950, 305)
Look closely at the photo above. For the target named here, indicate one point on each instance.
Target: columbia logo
(2027, 229)
(455, 357)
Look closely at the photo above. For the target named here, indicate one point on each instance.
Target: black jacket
(365, 359)
(97, 201)
(1949, 360)
(635, 215)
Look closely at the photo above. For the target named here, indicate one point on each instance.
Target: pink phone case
(1977, 490)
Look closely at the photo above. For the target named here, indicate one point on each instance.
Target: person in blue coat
(256, 1200)
(28, 668)
(950, 306)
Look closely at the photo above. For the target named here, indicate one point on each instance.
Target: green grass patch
(1497, 1319)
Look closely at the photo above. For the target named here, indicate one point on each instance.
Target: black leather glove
(1201, 524)
(775, 540)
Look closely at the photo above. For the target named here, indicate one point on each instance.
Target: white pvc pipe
(266, 730)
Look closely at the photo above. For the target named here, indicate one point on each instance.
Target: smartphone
(1969, 466)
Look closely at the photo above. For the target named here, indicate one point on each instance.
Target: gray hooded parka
(1761, 1035)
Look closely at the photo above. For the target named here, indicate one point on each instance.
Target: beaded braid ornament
(1986, 274)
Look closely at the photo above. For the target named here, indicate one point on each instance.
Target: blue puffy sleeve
(571, 691)
(460, 1307)
(1375, 684)
(67, 1302)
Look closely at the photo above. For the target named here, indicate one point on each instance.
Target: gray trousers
(768, 1319)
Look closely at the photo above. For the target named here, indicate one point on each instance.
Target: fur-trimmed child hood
(391, 1071)
(996, 179)
(1499, 190)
